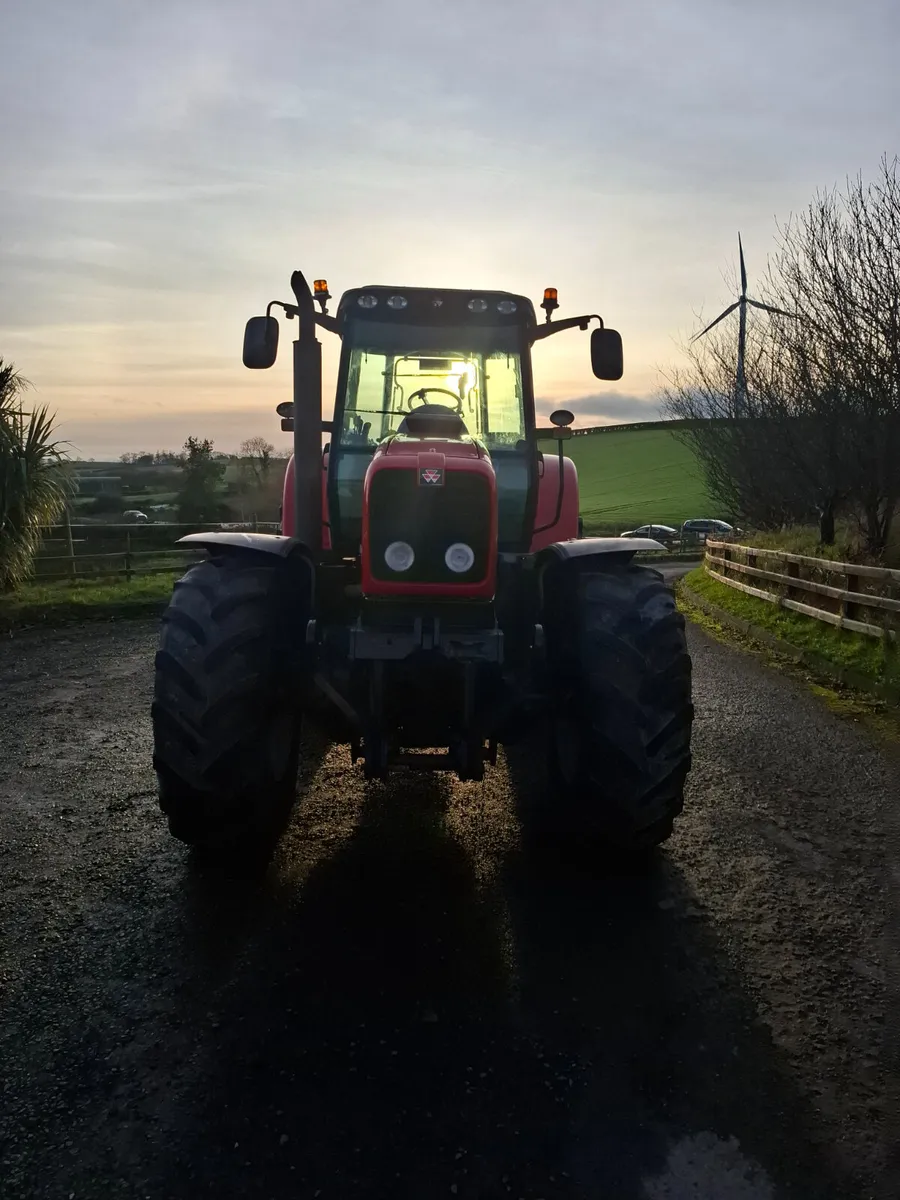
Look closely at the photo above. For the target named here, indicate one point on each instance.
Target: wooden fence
(106, 551)
(848, 595)
(118, 551)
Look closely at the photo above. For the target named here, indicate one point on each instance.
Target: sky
(164, 167)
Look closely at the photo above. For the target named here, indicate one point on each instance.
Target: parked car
(701, 529)
(660, 533)
(134, 515)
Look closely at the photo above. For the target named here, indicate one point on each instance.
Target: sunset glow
(166, 168)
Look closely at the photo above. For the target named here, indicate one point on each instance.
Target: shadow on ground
(394, 1011)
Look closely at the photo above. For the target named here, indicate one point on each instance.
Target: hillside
(632, 476)
(627, 476)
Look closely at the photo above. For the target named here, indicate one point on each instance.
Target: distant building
(98, 485)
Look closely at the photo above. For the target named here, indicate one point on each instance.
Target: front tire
(226, 711)
(620, 727)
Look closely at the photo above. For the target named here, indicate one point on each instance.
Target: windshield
(483, 387)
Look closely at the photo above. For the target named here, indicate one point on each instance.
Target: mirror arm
(542, 331)
(291, 310)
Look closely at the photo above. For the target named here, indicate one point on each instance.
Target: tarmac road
(409, 1005)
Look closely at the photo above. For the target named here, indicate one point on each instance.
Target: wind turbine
(740, 390)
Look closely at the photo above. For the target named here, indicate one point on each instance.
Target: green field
(633, 477)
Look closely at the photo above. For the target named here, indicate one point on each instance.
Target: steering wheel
(420, 394)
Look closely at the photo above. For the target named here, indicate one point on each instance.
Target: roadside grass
(862, 708)
(804, 539)
(73, 601)
(854, 651)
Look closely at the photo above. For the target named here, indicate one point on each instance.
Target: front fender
(234, 539)
(297, 563)
(595, 547)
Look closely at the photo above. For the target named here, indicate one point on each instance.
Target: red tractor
(430, 596)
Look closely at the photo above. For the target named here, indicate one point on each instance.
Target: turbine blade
(769, 308)
(720, 317)
(743, 268)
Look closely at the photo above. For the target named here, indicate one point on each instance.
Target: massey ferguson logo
(431, 477)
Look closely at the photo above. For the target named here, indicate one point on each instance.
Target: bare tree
(256, 459)
(837, 269)
(748, 462)
(820, 429)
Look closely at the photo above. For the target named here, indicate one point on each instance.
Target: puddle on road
(709, 1166)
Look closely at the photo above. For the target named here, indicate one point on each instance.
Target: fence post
(793, 569)
(70, 544)
(128, 556)
(850, 610)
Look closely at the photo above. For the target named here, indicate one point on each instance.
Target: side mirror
(606, 354)
(260, 343)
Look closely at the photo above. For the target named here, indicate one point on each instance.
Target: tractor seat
(433, 420)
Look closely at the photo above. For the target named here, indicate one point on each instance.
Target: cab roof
(436, 306)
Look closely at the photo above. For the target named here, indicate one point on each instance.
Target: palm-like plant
(35, 484)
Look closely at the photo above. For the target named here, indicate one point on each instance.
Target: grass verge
(837, 666)
(66, 603)
(851, 651)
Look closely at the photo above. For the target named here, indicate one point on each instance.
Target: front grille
(430, 519)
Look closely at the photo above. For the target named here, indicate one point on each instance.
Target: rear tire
(620, 726)
(226, 707)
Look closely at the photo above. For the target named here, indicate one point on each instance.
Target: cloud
(112, 435)
(167, 165)
(607, 408)
(105, 438)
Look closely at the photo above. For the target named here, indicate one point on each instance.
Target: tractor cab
(422, 363)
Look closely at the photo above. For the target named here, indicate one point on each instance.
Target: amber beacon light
(550, 302)
(321, 292)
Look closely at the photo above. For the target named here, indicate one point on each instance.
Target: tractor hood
(404, 445)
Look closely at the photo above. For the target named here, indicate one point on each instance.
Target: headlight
(399, 556)
(459, 557)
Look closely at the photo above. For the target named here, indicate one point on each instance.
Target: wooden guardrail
(865, 600)
(118, 551)
(110, 564)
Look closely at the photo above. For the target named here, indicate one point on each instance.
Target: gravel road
(411, 1006)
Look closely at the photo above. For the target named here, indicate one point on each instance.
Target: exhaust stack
(307, 420)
